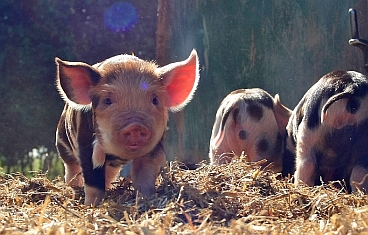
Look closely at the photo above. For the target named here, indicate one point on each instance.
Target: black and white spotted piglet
(249, 121)
(328, 131)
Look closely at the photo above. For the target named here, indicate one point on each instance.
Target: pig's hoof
(148, 191)
(75, 181)
(94, 196)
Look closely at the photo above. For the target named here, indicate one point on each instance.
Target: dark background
(281, 46)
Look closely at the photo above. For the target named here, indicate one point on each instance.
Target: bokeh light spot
(144, 86)
(120, 17)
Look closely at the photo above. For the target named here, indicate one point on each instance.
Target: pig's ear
(334, 113)
(282, 115)
(74, 80)
(181, 80)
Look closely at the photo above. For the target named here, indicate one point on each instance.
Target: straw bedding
(237, 198)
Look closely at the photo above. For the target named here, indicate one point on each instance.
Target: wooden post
(163, 33)
(163, 37)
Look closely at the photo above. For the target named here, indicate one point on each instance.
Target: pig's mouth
(133, 146)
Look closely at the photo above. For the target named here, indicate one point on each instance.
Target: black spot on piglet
(262, 146)
(255, 112)
(242, 135)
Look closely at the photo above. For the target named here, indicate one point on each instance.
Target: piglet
(328, 131)
(116, 111)
(249, 121)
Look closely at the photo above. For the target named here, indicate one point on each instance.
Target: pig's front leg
(359, 178)
(105, 175)
(305, 171)
(145, 170)
(113, 166)
(305, 156)
(94, 178)
(93, 195)
(73, 174)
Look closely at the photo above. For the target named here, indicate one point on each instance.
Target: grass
(237, 198)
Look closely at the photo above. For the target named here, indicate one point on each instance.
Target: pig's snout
(135, 135)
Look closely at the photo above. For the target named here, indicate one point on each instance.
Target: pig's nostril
(136, 132)
(126, 134)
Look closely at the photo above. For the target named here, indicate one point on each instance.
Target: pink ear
(218, 139)
(336, 115)
(282, 114)
(75, 80)
(181, 80)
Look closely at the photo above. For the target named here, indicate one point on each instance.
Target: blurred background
(281, 46)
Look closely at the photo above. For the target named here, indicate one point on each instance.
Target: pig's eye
(108, 101)
(155, 100)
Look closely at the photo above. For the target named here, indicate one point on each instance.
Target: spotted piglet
(116, 111)
(249, 121)
(328, 131)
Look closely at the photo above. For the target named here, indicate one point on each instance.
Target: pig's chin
(133, 150)
(136, 146)
(129, 152)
